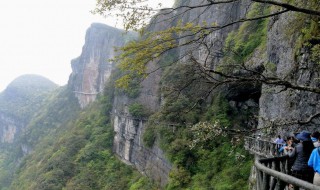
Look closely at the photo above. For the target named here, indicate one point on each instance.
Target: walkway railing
(272, 172)
(261, 147)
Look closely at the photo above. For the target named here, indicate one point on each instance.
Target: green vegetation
(205, 161)
(149, 136)
(50, 117)
(138, 110)
(210, 163)
(307, 28)
(24, 96)
(241, 44)
(222, 166)
(72, 149)
(77, 154)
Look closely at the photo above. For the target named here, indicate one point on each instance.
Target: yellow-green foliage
(306, 27)
(315, 55)
(137, 54)
(240, 44)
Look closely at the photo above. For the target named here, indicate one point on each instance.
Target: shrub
(137, 110)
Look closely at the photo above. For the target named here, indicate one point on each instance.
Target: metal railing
(272, 170)
(261, 147)
(272, 175)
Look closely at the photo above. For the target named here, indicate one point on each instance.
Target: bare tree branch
(290, 7)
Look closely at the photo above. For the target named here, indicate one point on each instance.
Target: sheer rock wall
(92, 69)
(280, 105)
(129, 147)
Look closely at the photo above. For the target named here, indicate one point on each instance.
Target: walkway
(271, 168)
(86, 93)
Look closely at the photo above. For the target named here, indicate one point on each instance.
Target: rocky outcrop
(284, 106)
(220, 14)
(92, 69)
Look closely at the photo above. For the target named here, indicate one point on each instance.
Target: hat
(304, 136)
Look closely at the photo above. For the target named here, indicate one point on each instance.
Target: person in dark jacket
(287, 149)
(301, 152)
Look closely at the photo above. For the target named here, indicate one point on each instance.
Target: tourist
(287, 149)
(315, 139)
(314, 162)
(279, 140)
(301, 152)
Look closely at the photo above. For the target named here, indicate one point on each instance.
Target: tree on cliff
(198, 39)
(136, 55)
(136, 13)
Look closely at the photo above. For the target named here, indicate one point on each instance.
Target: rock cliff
(286, 106)
(128, 130)
(129, 147)
(9, 126)
(128, 143)
(92, 69)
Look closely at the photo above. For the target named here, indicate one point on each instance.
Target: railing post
(283, 166)
(273, 180)
(265, 182)
(259, 179)
(280, 185)
(277, 165)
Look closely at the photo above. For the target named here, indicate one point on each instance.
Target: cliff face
(92, 68)
(9, 126)
(128, 144)
(284, 106)
(129, 147)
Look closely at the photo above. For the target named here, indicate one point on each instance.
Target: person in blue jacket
(314, 162)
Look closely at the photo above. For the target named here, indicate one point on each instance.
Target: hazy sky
(42, 36)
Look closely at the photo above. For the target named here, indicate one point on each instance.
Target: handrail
(281, 177)
(86, 93)
(261, 147)
(272, 169)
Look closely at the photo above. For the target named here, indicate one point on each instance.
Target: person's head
(303, 136)
(315, 136)
(289, 140)
(305, 139)
(279, 136)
